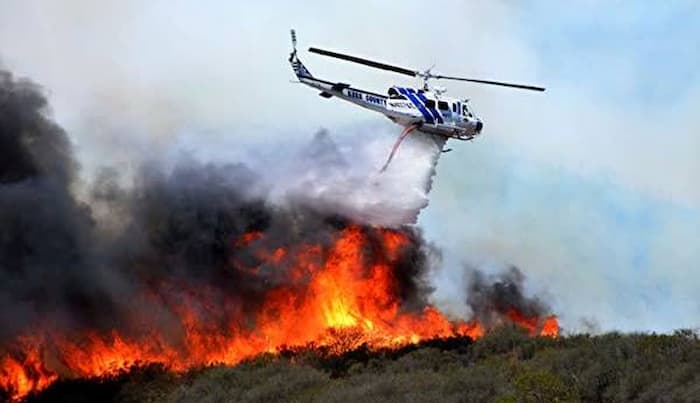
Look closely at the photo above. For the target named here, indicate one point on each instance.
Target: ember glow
(347, 287)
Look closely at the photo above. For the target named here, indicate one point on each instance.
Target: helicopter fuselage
(424, 109)
(429, 111)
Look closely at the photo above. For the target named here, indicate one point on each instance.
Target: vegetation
(505, 366)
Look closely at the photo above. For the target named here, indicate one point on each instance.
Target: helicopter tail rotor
(299, 69)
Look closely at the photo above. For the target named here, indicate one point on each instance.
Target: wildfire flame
(330, 289)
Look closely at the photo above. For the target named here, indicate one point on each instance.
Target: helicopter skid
(464, 138)
(449, 132)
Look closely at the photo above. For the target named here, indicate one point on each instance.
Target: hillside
(504, 366)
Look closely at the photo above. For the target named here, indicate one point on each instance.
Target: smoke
(187, 230)
(592, 139)
(350, 183)
(82, 265)
(194, 231)
(45, 236)
(33, 146)
(490, 298)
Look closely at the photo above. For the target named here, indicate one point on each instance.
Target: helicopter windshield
(466, 111)
(393, 94)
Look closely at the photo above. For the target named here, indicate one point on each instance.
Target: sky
(591, 188)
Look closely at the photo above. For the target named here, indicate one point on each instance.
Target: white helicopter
(425, 109)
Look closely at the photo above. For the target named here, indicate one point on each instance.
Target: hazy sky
(591, 188)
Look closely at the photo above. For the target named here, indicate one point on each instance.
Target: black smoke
(173, 234)
(82, 265)
(45, 234)
(491, 298)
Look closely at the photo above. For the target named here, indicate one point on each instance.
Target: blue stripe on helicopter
(433, 111)
(426, 115)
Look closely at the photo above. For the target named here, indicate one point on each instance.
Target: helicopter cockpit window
(429, 103)
(465, 111)
(443, 106)
(393, 94)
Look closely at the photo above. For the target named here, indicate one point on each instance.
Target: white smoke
(342, 175)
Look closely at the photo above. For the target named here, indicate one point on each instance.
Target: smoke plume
(46, 253)
(491, 298)
(345, 179)
(81, 264)
(200, 263)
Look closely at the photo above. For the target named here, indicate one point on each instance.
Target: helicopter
(424, 109)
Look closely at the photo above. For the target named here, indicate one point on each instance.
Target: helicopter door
(444, 109)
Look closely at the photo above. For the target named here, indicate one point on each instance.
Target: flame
(550, 327)
(20, 376)
(335, 297)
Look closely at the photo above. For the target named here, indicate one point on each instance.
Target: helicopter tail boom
(365, 99)
(299, 69)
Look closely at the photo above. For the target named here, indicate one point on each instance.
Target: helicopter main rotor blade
(366, 62)
(502, 84)
(413, 73)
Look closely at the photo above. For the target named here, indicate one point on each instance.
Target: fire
(331, 291)
(548, 326)
(20, 376)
